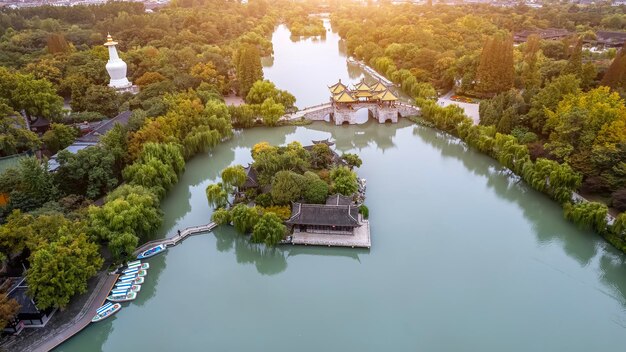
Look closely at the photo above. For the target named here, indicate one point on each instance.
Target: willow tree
(269, 230)
(244, 218)
(217, 195)
(234, 176)
(590, 215)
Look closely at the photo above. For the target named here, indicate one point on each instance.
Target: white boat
(106, 311)
(133, 263)
(152, 251)
(129, 287)
(141, 273)
(128, 296)
(134, 269)
(132, 279)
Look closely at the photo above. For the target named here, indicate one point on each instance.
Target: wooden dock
(97, 299)
(83, 318)
(176, 239)
(360, 239)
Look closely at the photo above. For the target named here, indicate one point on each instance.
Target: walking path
(360, 238)
(82, 319)
(471, 109)
(101, 291)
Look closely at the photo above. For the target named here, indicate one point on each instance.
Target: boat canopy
(119, 295)
(134, 263)
(119, 291)
(126, 279)
(131, 271)
(124, 285)
(128, 276)
(104, 308)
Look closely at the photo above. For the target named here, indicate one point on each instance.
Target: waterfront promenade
(360, 239)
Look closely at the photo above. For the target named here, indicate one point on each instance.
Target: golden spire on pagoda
(362, 86)
(386, 96)
(110, 41)
(344, 97)
(337, 88)
(379, 87)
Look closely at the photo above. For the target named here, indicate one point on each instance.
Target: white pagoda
(117, 68)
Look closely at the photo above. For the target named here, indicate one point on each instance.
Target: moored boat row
(126, 289)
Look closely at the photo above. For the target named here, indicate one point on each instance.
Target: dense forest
(551, 111)
(561, 100)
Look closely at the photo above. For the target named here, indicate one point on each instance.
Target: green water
(463, 258)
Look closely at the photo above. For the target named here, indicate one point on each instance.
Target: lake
(463, 257)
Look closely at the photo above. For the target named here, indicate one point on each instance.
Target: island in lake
(295, 194)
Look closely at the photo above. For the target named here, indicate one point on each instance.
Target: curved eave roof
(379, 87)
(344, 97)
(387, 96)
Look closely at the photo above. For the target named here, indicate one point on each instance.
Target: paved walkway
(471, 110)
(361, 238)
(82, 319)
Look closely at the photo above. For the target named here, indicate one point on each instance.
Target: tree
(321, 156)
(343, 181)
(244, 218)
(248, 66)
(574, 63)
(206, 72)
(615, 76)
(269, 230)
(128, 210)
(59, 136)
(8, 309)
(271, 111)
(352, 160)
(262, 90)
(29, 184)
(315, 190)
(221, 216)
(35, 97)
(61, 269)
(14, 136)
(549, 97)
(591, 215)
(587, 130)
(242, 115)
(90, 172)
(100, 99)
(530, 75)
(495, 72)
(217, 195)
(234, 176)
(287, 187)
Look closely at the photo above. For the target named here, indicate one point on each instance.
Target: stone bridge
(347, 115)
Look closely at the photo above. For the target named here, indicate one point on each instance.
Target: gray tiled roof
(324, 215)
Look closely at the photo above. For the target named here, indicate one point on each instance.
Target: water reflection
(267, 260)
(359, 137)
(577, 244)
(350, 253)
(149, 288)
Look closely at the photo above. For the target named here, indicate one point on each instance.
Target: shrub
(264, 200)
(283, 212)
(363, 210)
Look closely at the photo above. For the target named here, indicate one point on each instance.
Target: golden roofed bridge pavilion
(377, 98)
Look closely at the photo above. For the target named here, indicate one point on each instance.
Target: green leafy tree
(221, 216)
(90, 172)
(315, 190)
(343, 181)
(321, 156)
(14, 136)
(244, 218)
(287, 187)
(495, 72)
(271, 111)
(615, 76)
(352, 160)
(217, 195)
(269, 230)
(61, 269)
(262, 90)
(234, 176)
(591, 215)
(59, 136)
(548, 98)
(248, 67)
(29, 184)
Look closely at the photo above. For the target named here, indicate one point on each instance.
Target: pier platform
(360, 239)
